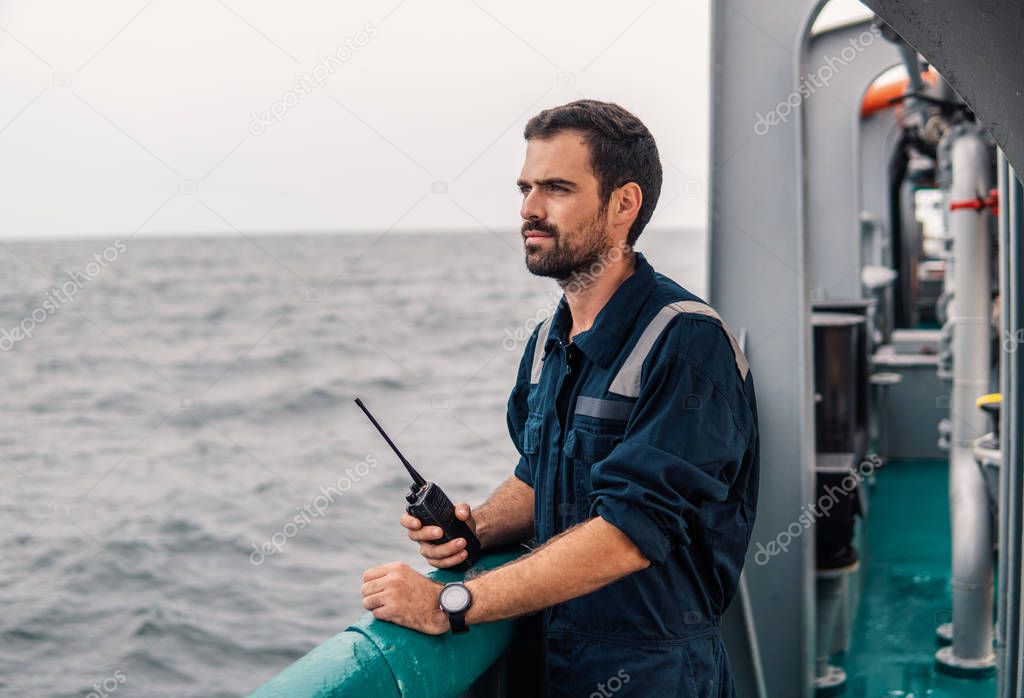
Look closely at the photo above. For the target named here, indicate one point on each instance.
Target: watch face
(454, 598)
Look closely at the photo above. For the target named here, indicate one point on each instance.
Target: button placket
(563, 484)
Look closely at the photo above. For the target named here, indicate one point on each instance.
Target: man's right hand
(441, 555)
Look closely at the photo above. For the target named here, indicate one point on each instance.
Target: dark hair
(621, 149)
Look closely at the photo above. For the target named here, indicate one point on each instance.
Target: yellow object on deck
(990, 399)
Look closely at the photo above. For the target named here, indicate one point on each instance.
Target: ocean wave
(119, 401)
(307, 401)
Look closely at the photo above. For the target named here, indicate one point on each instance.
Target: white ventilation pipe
(969, 315)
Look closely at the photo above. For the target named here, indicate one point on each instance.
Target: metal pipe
(755, 651)
(970, 312)
(912, 63)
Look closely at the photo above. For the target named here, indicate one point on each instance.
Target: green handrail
(377, 659)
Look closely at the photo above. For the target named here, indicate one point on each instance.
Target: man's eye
(556, 187)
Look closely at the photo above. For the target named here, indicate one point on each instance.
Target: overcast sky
(136, 115)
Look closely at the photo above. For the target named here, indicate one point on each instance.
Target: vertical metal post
(1006, 624)
(970, 317)
(1011, 233)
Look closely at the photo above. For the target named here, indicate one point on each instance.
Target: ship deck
(906, 589)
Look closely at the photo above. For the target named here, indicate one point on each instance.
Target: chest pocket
(531, 434)
(584, 446)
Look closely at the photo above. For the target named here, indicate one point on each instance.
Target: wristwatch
(455, 600)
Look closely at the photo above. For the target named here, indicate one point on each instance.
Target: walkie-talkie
(429, 504)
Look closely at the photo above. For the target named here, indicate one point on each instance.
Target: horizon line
(310, 232)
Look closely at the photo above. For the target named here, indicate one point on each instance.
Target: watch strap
(458, 622)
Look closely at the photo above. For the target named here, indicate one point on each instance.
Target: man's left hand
(397, 593)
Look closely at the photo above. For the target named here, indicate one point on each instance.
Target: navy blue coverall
(649, 420)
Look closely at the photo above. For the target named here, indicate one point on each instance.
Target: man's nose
(531, 208)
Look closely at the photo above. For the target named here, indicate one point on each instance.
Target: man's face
(564, 222)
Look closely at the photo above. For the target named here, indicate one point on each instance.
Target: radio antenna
(416, 477)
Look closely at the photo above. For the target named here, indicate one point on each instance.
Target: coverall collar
(603, 341)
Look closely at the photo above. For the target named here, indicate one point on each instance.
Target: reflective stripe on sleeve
(627, 380)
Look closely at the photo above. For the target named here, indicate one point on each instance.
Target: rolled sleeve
(523, 471)
(683, 446)
(644, 532)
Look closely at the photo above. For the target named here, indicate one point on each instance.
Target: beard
(570, 254)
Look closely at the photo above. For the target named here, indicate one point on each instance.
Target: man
(635, 418)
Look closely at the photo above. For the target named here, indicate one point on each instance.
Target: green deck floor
(906, 590)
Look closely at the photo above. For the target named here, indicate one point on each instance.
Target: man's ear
(626, 202)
